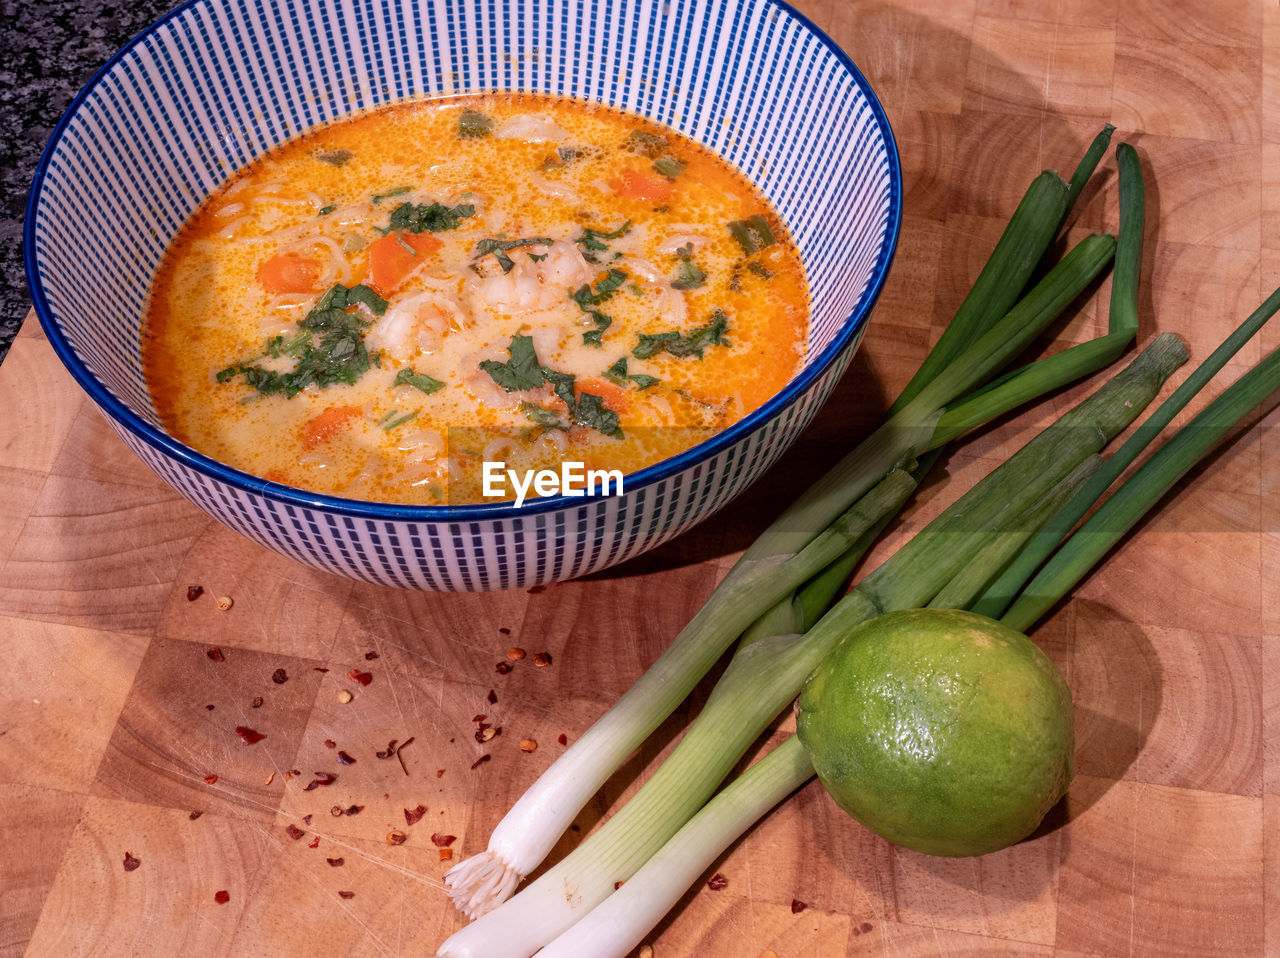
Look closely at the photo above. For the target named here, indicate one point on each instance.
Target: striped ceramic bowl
(218, 82)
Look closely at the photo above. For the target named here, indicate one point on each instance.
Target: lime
(940, 730)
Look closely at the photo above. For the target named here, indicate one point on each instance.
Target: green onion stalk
(997, 327)
(767, 671)
(628, 914)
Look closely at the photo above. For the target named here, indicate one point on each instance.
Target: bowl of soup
(458, 296)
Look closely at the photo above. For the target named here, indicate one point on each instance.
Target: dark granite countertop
(51, 49)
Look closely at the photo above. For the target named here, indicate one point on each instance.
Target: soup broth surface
(377, 308)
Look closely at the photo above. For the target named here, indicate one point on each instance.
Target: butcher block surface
(122, 682)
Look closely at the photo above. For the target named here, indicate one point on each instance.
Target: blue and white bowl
(217, 82)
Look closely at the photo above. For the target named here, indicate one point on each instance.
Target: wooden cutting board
(115, 718)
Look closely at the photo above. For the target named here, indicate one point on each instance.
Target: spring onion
(998, 327)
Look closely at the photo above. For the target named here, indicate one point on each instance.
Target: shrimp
(533, 284)
(531, 128)
(416, 325)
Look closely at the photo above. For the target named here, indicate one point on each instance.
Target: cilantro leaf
(499, 249)
(433, 218)
(692, 343)
(419, 381)
(521, 371)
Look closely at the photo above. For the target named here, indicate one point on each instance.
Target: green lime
(940, 730)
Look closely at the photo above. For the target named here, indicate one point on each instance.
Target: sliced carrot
(289, 273)
(641, 186)
(393, 257)
(613, 395)
(321, 428)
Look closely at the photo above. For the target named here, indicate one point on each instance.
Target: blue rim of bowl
(852, 327)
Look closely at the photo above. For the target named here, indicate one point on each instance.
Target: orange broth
(375, 308)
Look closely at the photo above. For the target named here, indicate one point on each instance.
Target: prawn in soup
(378, 307)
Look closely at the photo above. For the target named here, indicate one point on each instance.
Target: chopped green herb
(644, 382)
(326, 210)
(753, 234)
(587, 300)
(618, 373)
(538, 257)
(759, 269)
(645, 143)
(499, 249)
(397, 191)
(419, 381)
(472, 124)
(680, 344)
(592, 241)
(434, 217)
(402, 420)
(334, 157)
(688, 275)
(668, 166)
(523, 371)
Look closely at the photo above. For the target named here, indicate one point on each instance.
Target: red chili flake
(617, 885)
(414, 815)
(318, 668)
(479, 718)
(354, 809)
(336, 862)
(322, 778)
(390, 750)
(257, 702)
(396, 838)
(330, 743)
(480, 761)
(534, 590)
(294, 831)
(717, 881)
(248, 735)
(210, 779)
(222, 897)
(502, 668)
(130, 863)
(563, 739)
(306, 819)
(541, 659)
(442, 841)
(315, 842)
(194, 592)
(345, 759)
(364, 678)
(215, 653)
(194, 815)
(504, 630)
(797, 906)
(370, 656)
(439, 773)
(209, 708)
(865, 927)
(493, 697)
(408, 741)
(279, 676)
(346, 894)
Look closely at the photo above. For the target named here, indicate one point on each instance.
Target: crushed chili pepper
(797, 906)
(209, 708)
(414, 815)
(322, 778)
(442, 841)
(354, 809)
(563, 739)
(294, 831)
(222, 897)
(396, 838)
(248, 735)
(345, 759)
(315, 842)
(492, 697)
(504, 630)
(279, 676)
(370, 656)
(439, 773)
(194, 592)
(215, 653)
(541, 659)
(390, 750)
(319, 668)
(446, 854)
(257, 702)
(364, 678)
(306, 819)
(480, 761)
(194, 815)
(330, 743)
(617, 885)
(502, 668)
(717, 881)
(130, 863)
(346, 894)
(210, 779)
(534, 590)
(479, 718)
(336, 862)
